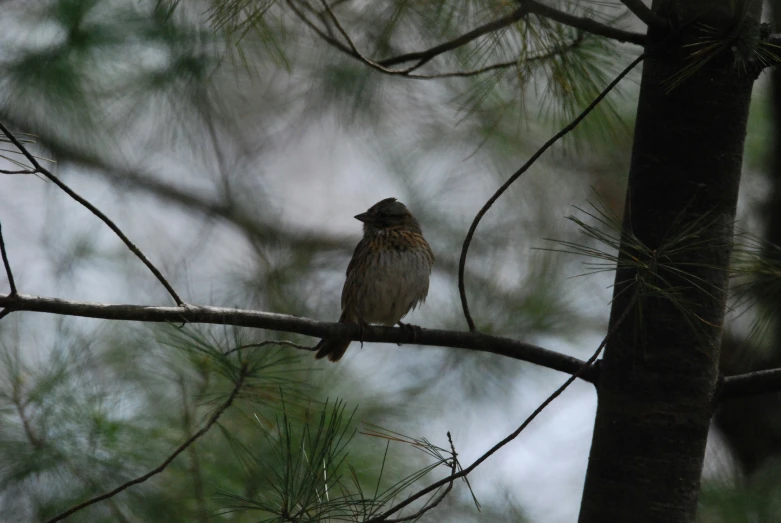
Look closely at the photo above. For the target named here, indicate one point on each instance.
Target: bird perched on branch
(388, 274)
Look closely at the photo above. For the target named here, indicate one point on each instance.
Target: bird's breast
(391, 280)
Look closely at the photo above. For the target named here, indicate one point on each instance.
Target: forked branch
(40, 169)
(420, 58)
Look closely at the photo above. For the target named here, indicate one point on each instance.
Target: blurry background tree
(233, 141)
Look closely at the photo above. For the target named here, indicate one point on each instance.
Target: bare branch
(422, 57)
(94, 210)
(285, 323)
(644, 13)
(585, 24)
(750, 384)
(555, 51)
(518, 173)
(157, 470)
(7, 265)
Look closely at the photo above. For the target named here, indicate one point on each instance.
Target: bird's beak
(363, 217)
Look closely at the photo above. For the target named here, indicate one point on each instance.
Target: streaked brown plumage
(388, 274)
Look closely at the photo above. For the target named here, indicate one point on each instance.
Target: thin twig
(7, 265)
(70, 192)
(435, 502)
(24, 171)
(157, 470)
(644, 13)
(333, 42)
(354, 50)
(285, 323)
(464, 472)
(419, 57)
(518, 173)
(422, 57)
(556, 51)
(271, 342)
(527, 6)
(464, 74)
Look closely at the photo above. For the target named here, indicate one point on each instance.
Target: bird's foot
(415, 329)
(361, 326)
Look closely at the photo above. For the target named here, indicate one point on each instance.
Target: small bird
(388, 274)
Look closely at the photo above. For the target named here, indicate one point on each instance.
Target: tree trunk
(751, 425)
(660, 368)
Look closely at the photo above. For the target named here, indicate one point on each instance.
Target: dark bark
(750, 426)
(660, 370)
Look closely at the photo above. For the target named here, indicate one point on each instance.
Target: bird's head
(388, 213)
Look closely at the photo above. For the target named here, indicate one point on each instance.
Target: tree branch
(555, 51)
(585, 24)
(525, 167)
(644, 13)
(157, 470)
(94, 210)
(285, 323)
(751, 383)
(422, 57)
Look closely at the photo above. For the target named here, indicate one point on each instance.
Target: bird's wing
(360, 253)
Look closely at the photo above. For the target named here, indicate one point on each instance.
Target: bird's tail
(334, 348)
